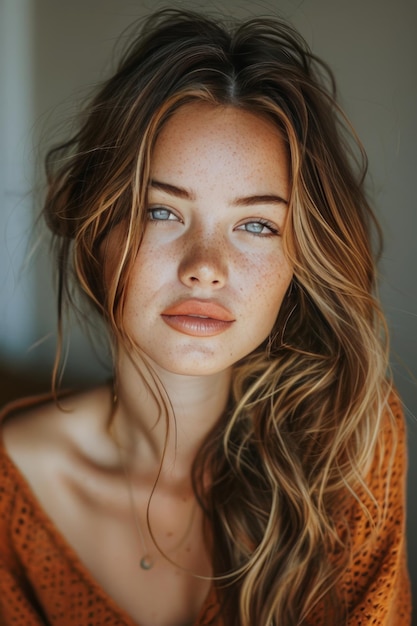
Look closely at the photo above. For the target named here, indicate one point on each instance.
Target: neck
(166, 415)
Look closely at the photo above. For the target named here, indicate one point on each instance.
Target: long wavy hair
(295, 443)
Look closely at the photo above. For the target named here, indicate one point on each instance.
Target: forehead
(203, 141)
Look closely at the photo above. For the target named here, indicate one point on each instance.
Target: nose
(204, 264)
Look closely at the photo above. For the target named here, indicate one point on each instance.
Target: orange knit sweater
(43, 582)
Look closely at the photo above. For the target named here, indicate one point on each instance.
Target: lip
(198, 318)
(200, 308)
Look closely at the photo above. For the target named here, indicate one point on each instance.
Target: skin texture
(204, 241)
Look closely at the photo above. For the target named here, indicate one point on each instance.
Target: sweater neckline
(24, 489)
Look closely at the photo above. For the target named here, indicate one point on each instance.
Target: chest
(170, 593)
(111, 541)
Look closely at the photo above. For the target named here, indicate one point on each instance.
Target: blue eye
(161, 214)
(254, 227)
(260, 227)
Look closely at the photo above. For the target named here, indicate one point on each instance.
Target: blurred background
(54, 53)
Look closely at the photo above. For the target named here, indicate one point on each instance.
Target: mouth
(198, 318)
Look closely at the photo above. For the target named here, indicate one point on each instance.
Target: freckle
(169, 534)
(185, 499)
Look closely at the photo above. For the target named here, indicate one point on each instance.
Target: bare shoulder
(49, 435)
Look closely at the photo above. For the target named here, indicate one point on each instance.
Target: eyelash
(263, 222)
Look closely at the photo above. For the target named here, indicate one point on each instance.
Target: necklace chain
(146, 562)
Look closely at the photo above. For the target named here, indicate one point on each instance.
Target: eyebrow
(173, 190)
(181, 192)
(260, 199)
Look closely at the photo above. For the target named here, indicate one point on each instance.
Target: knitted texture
(44, 583)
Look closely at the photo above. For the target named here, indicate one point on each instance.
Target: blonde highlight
(306, 408)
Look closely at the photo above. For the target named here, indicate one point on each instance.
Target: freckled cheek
(151, 270)
(275, 284)
(265, 279)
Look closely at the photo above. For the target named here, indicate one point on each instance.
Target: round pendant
(146, 562)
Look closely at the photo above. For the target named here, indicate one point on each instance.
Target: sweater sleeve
(17, 602)
(376, 584)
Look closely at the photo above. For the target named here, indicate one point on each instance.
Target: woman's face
(211, 274)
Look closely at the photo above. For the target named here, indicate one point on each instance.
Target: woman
(246, 464)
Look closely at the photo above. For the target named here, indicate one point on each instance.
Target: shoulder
(386, 473)
(394, 411)
(44, 438)
(377, 571)
(392, 441)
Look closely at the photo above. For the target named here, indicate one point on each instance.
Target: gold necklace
(146, 562)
